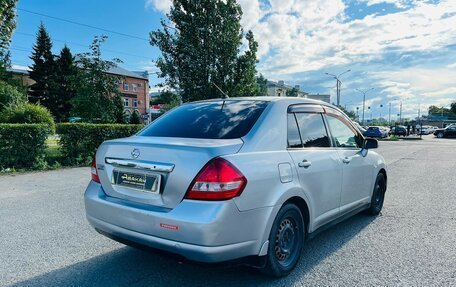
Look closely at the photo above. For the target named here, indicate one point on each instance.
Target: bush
(22, 145)
(28, 114)
(79, 141)
(10, 96)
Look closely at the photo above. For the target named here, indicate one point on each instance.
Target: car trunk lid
(129, 168)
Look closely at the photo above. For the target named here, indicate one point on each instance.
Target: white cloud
(298, 37)
(159, 5)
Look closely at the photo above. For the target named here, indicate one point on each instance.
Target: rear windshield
(227, 119)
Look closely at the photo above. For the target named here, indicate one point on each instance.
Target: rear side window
(223, 119)
(294, 139)
(312, 130)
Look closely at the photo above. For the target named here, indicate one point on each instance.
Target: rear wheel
(378, 195)
(285, 242)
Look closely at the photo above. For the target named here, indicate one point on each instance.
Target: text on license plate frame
(136, 180)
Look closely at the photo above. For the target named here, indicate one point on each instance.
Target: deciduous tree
(201, 50)
(7, 26)
(97, 92)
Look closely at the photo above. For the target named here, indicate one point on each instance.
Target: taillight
(93, 170)
(218, 180)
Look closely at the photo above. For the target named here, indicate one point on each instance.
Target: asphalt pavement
(45, 239)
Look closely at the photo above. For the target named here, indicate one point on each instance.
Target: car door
(357, 171)
(451, 131)
(318, 165)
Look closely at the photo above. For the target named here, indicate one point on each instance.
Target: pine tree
(134, 119)
(201, 50)
(43, 70)
(65, 85)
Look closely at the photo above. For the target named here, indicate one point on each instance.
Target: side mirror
(370, 143)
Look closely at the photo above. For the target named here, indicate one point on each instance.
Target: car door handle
(346, 160)
(305, 163)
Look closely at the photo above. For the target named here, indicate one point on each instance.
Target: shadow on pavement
(133, 267)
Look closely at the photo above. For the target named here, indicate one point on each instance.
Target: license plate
(139, 181)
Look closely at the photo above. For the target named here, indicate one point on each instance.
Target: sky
(404, 49)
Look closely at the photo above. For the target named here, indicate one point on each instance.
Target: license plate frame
(139, 181)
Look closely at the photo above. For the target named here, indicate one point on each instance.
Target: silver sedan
(224, 179)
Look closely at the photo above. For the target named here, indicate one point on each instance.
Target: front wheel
(378, 195)
(440, 135)
(285, 242)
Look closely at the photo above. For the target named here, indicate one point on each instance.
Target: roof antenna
(224, 95)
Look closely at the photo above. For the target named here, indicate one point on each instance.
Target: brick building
(134, 89)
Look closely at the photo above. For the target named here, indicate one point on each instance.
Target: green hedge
(22, 145)
(79, 141)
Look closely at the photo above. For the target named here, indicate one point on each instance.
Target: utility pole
(389, 115)
(364, 100)
(400, 117)
(338, 84)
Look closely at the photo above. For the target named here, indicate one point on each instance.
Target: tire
(286, 241)
(378, 195)
(440, 135)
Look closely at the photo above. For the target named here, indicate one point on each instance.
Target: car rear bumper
(198, 230)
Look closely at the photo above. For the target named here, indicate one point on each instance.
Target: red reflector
(168, 226)
(218, 180)
(93, 170)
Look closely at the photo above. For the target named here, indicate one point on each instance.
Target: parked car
(74, 119)
(360, 128)
(448, 132)
(424, 130)
(218, 180)
(398, 131)
(376, 132)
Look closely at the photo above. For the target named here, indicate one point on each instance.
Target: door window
(311, 128)
(342, 134)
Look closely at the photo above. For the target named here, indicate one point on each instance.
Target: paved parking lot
(46, 241)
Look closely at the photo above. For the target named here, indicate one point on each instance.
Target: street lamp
(381, 106)
(364, 99)
(338, 84)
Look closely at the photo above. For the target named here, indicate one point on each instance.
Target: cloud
(159, 5)
(398, 52)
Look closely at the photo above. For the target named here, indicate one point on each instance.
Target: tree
(135, 119)
(168, 99)
(350, 114)
(201, 50)
(7, 26)
(97, 93)
(10, 96)
(293, 92)
(453, 108)
(245, 82)
(66, 77)
(262, 83)
(43, 70)
(441, 111)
